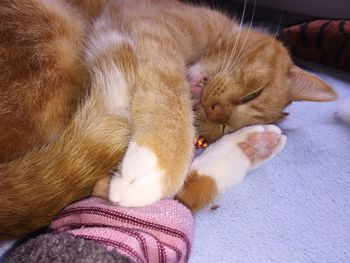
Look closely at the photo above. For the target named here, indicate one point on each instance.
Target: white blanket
(295, 208)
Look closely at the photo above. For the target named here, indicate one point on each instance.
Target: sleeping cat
(84, 81)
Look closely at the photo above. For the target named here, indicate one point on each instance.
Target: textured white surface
(295, 208)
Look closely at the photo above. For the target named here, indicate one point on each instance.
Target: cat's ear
(306, 86)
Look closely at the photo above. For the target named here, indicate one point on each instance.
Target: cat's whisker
(238, 58)
(233, 50)
(274, 36)
(224, 60)
(243, 49)
(223, 129)
(221, 59)
(216, 7)
(220, 62)
(240, 53)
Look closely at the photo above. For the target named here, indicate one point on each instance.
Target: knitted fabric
(161, 232)
(63, 248)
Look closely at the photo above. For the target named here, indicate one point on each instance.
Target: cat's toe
(136, 193)
(242, 133)
(273, 129)
(278, 141)
(116, 188)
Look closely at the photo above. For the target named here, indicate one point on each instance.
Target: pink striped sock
(161, 232)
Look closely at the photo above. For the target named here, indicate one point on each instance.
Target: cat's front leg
(161, 147)
(226, 162)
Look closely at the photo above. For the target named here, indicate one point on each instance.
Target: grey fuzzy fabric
(61, 248)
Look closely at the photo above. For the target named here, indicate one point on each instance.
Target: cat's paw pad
(136, 193)
(139, 161)
(261, 143)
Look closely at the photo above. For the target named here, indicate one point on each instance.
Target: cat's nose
(216, 112)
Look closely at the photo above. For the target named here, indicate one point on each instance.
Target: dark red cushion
(324, 41)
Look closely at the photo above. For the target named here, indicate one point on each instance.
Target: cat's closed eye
(250, 96)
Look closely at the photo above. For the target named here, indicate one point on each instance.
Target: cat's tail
(36, 186)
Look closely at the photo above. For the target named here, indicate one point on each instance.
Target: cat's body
(48, 162)
(70, 108)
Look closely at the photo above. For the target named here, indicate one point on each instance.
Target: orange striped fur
(82, 81)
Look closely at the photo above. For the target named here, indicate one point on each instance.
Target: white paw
(140, 192)
(140, 182)
(226, 160)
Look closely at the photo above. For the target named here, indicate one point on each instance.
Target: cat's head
(248, 80)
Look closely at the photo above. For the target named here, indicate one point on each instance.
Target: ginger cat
(84, 82)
